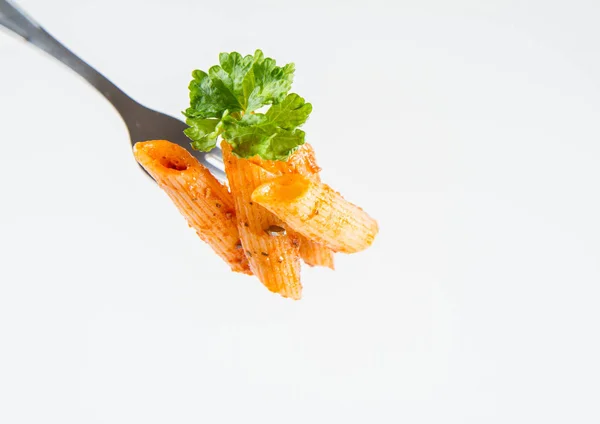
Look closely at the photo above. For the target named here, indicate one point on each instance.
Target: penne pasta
(302, 162)
(316, 211)
(272, 253)
(315, 254)
(206, 204)
(311, 252)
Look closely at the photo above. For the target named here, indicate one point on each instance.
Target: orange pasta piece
(312, 253)
(200, 197)
(316, 211)
(273, 256)
(315, 254)
(302, 162)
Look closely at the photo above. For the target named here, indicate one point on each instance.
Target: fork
(142, 123)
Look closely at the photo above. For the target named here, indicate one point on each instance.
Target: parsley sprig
(225, 102)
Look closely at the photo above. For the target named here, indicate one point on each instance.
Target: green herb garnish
(224, 102)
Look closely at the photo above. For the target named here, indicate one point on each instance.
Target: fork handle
(18, 22)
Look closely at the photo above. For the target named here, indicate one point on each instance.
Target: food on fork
(302, 162)
(277, 211)
(317, 212)
(205, 203)
(273, 254)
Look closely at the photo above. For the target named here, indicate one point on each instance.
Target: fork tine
(216, 171)
(216, 154)
(214, 159)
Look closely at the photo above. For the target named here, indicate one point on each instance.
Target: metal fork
(143, 123)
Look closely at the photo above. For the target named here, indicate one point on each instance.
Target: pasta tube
(205, 203)
(317, 212)
(272, 253)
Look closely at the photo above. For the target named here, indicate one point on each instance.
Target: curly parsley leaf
(270, 82)
(290, 113)
(208, 99)
(224, 100)
(203, 132)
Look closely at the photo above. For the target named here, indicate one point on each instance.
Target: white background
(469, 129)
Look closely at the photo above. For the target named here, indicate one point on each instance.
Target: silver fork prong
(215, 170)
(217, 154)
(214, 159)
